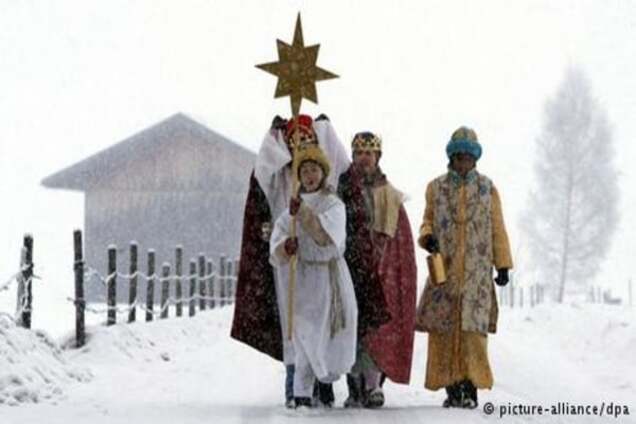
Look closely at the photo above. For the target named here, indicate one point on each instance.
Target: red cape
(384, 276)
(256, 317)
(391, 346)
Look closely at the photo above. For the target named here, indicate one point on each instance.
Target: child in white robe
(325, 311)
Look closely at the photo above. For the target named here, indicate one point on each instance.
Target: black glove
(502, 277)
(430, 243)
(278, 123)
(322, 117)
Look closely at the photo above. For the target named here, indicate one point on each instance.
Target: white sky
(78, 76)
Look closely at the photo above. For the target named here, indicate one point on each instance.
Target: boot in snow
(469, 395)
(302, 402)
(453, 396)
(374, 398)
(355, 386)
(325, 394)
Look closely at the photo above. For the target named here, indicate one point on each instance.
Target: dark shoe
(354, 384)
(302, 401)
(453, 397)
(468, 403)
(290, 404)
(469, 395)
(325, 394)
(374, 398)
(352, 403)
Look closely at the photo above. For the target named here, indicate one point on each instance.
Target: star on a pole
(296, 70)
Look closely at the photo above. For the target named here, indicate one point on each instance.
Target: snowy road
(190, 371)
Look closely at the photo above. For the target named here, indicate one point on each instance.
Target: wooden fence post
(111, 282)
(532, 296)
(165, 290)
(150, 288)
(232, 286)
(80, 302)
(193, 287)
(21, 291)
(178, 273)
(27, 277)
(229, 271)
(512, 296)
(238, 269)
(222, 283)
(202, 283)
(211, 291)
(132, 285)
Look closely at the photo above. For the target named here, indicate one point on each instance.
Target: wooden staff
(293, 261)
(297, 76)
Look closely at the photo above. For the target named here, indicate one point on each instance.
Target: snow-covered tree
(572, 214)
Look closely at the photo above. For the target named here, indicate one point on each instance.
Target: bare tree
(572, 214)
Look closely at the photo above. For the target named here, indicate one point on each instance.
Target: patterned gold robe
(466, 217)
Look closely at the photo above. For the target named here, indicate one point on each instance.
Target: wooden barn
(176, 182)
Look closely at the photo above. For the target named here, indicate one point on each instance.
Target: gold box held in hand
(436, 270)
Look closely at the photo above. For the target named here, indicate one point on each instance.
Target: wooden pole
(234, 280)
(193, 287)
(132, 285)
(228, 281)
(112, 285)
(512, 296)
(222, 285)
(294, 259)
(532, 296)
(165, 290)
(202, 283)
(27, 277)
(211, 291)
(80, 302)
(150, 288)
(179, 273)
(21, 292)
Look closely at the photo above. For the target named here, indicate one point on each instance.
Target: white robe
(274, 178)
(323, 290)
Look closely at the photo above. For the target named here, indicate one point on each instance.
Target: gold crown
(366, 141)
(313, 153)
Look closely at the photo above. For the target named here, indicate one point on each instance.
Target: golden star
(296, 70)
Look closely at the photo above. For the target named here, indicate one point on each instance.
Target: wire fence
(205, 286)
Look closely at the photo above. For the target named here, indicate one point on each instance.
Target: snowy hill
(33, 367)
(189, 371)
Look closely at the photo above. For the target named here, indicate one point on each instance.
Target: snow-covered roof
(95, 169)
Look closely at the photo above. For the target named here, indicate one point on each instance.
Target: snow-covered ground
(188, 370)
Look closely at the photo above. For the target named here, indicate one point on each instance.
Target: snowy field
(190, 371)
